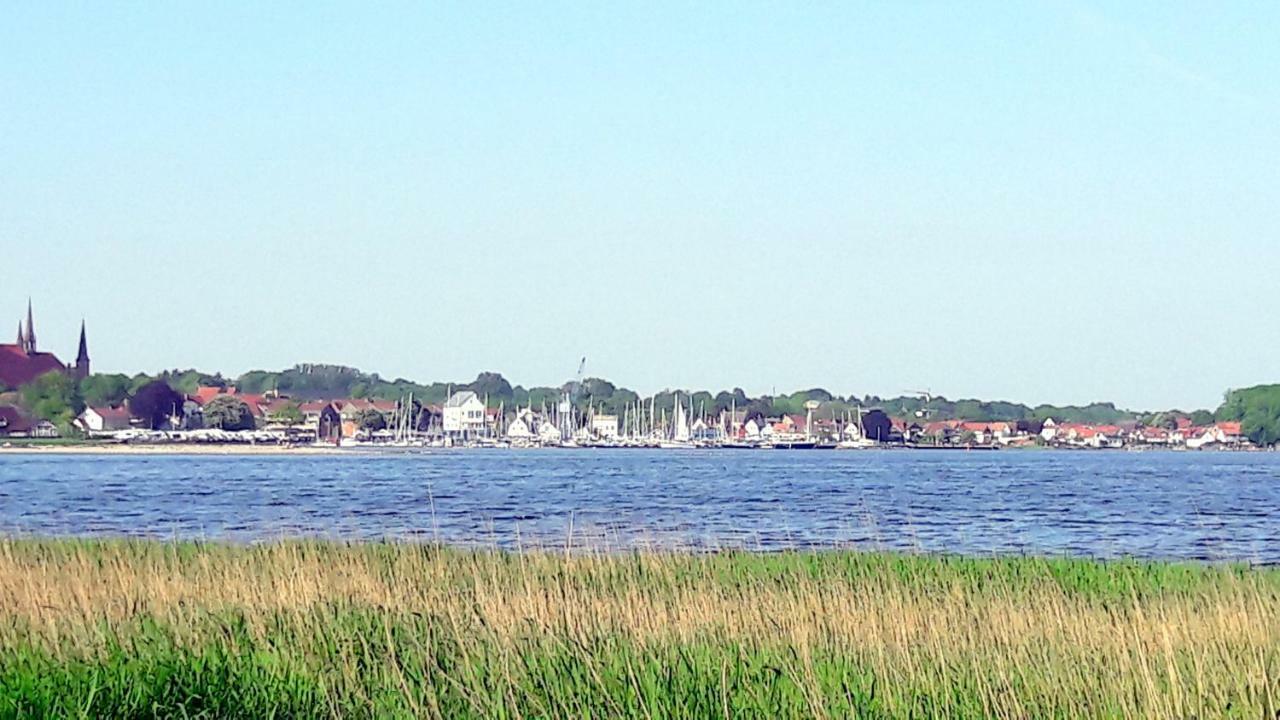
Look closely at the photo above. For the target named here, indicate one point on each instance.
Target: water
(1211, 506)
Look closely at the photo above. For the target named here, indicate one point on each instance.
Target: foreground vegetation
(138, 629)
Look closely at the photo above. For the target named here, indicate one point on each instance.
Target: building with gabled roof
(23, 361)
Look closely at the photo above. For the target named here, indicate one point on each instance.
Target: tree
(1258, 411)
(1201, 418)
(876, 425)
(155, 402)
(288, 414)
(100, 390)
(372, 420)
(228, 412)
(493, 386)
(54, 397)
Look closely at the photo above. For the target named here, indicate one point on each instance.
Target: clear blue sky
(1039, 201)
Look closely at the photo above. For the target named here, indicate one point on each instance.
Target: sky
(1040, 202)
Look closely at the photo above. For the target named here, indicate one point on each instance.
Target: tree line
(59, 398)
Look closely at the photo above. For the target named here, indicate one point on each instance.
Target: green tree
(1257, 409)
(1201, 418)
(54, 397)
(100, 390)
(155, 402)
(228, 412)
(288, 414)
(372, 420)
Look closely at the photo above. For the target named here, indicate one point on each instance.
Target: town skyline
(51, 342)
(1053, 202)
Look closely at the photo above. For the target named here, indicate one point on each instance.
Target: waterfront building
(103, 419)
(604, 426)
(464, 414)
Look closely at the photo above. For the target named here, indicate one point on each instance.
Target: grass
(311, 629)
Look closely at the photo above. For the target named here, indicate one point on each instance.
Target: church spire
(82, 357)
(22, 338)
(30, 343)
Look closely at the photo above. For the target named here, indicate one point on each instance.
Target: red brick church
(22, 362)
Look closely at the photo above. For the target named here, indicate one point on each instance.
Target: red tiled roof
(112, 413)
(1230, 428)
(18, 368)
(205, 394)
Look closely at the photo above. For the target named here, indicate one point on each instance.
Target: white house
(521, 428)
(464, 414)
(103, 419)
(604, 426)
(549, 433)
(1050, 430)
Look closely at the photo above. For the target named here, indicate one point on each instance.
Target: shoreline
(171, 449)
(93, 448)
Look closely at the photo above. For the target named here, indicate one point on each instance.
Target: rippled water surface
(1185, 505)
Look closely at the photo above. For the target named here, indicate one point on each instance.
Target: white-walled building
(604, 426)
(464, 414)
(104, 419)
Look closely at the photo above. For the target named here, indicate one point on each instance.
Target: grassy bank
(114, 629)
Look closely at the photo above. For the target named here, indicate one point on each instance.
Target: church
(22, 362)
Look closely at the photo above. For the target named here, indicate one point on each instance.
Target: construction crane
(924, 395)
(568, 421)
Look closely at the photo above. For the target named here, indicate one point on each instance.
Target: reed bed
(318, 629)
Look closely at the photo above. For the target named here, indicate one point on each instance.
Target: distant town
(43, 398)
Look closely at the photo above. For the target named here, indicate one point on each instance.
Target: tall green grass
(306, 629)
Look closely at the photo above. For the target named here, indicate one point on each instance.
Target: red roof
(112, 413)
(205, 394)
(1230, 428)
(12, 420)
(18, 368)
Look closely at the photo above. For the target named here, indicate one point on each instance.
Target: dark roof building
(22, 362)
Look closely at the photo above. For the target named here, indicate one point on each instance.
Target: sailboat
(680, 437)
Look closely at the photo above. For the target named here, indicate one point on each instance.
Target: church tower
(29, 339)
(82, 358)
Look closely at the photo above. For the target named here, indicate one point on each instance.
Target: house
(549, 433)
(13, 422)
(1231, 432)
(1049, 430)
(328, 424)
(604, 426)
(464, 414)
(1155, 436)
(312, 410)
(103, 419)
(522, 426)
(1223, 433)
(733, 420)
